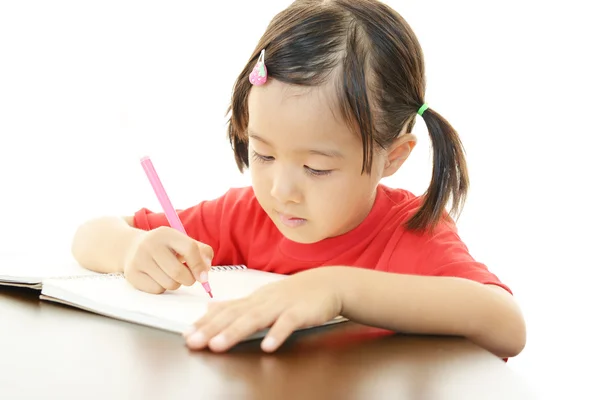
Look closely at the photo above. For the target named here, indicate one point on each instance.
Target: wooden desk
(55, 352)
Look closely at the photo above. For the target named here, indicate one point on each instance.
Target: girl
(323, 111)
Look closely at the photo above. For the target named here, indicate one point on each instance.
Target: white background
(87, 88)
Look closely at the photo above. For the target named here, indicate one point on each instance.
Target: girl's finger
(213, 322)
(198, 256)
(145, 283)
(212, 310)
(253, 320)
(173, 267)
(156, 273)
(284, 326)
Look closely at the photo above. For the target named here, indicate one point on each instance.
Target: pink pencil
(166, 205)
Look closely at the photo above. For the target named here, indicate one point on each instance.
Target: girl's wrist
(341, 282)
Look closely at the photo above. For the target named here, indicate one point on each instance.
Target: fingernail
(196, 339)
(218, 341)
(203, 276)
(208, 261)
(189, 331)
(269, 343)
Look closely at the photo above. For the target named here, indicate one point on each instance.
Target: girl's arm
(485, 314)
(100, 244)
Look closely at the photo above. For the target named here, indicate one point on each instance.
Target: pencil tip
(210, 294)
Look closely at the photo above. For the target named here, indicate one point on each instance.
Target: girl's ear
(398, 152)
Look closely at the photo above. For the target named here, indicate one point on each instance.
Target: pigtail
(449, 176)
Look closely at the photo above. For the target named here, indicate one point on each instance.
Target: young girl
(322, 111)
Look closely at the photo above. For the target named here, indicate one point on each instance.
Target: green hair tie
(422, 109)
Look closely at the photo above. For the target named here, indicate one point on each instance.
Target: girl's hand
(155, 261)
(303, 300)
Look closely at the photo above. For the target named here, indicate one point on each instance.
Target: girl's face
(306, 164)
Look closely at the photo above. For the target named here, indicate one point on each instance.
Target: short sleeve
(441, 253)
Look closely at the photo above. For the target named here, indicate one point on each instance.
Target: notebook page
(175, 310)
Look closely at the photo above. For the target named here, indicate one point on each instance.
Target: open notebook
(30, 272)
(112, 296)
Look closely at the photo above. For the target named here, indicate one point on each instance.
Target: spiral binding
(227, 267)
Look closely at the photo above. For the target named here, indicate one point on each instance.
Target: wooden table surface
(52, 351)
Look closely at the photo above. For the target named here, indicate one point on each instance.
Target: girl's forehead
(277, 106)
(276, 94)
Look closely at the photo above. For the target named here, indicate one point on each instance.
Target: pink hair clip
(258, 76)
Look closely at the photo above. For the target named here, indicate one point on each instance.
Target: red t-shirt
(240, 232)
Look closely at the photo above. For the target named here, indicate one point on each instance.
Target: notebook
(27, 271)
(113, 296)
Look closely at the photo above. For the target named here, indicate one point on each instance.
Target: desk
(52, 351)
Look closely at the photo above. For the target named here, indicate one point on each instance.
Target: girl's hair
(377, 64)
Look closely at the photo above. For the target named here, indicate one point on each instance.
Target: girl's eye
(309, 171)
(261, 158)
(317, 172)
